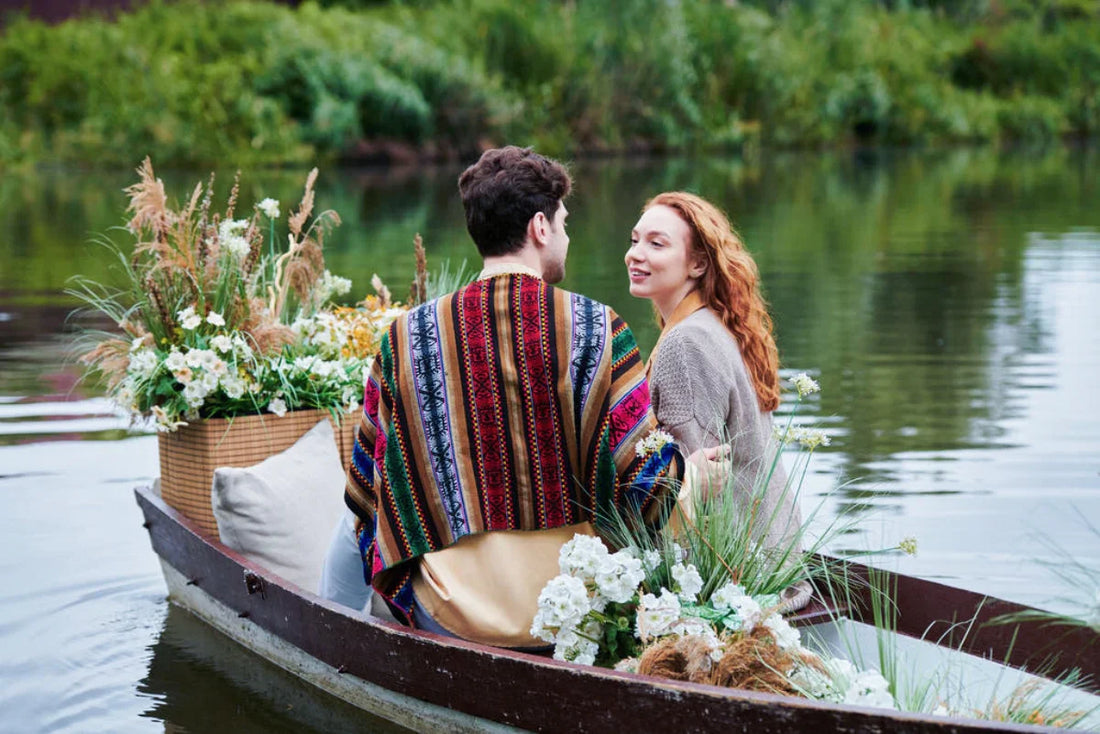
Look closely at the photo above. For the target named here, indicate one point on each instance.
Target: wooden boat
(426, 682)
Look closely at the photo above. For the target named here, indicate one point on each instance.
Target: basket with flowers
(230, 345)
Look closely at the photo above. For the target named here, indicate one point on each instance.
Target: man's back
(507, 405)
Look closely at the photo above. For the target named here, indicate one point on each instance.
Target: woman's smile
(659, 262)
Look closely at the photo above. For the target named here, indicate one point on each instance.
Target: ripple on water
(25, 421)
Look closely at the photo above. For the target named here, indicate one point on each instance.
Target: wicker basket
(189, 456)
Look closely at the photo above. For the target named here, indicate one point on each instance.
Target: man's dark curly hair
(503, 190)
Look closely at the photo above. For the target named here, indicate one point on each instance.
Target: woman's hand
(711, 467)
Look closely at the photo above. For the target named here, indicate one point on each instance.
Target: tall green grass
(952, 687)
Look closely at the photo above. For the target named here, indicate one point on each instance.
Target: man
(498, 421)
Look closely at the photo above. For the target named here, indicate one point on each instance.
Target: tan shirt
(485, 587)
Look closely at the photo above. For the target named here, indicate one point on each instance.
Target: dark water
(949, 304)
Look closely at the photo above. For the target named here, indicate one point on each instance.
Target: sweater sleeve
(693, 388)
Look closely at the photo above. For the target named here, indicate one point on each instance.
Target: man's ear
(538, 229)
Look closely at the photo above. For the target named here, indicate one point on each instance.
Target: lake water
(948, 303)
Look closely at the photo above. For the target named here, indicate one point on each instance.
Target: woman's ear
(698, 266)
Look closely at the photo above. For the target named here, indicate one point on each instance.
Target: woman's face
(659, 262)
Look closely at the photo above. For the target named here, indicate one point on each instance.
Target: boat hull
(426, 682)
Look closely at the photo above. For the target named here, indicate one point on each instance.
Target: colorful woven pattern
(507, 405)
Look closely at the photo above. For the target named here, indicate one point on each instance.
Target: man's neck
(525, 260)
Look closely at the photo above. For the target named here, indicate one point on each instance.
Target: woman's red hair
(730, 286)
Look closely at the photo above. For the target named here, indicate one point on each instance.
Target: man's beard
(554, 273)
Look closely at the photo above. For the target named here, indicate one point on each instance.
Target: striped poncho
(507, 405)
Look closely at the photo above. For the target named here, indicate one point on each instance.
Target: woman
(714, 374)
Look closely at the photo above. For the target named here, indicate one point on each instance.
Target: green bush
(254, 82)
(1032, 119)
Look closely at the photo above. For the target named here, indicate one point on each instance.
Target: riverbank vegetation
(251, 83)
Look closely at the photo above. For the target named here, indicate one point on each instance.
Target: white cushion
(280, 512)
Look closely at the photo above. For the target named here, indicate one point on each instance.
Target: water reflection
(200, 681)
(946, 301)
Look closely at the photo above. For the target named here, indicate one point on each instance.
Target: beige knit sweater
(703, 395)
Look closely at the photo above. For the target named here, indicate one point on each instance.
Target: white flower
(137, 343)
(679, 553)
(232, 386)
(839, 681)
(581, 556)
(230, 227)
(189, 319)
(728, 596)
(389, 315)
(869, 688)
(618, 576)
(577, 648)
(562, 604)
(817, 683)
(330, 285)
(277, 406)
(805, 384)
(349, 397)
(194, 394)
(124, 397)
(651, 559)
(786, 637)
(164, 423)
(241, 346)
(204, 359)
(175, 361)
(270, 208)
(238, 247)
(688, 581)
(653, 442)
(143, 363)
(222, 343)
(215, 319)
(811, 438)
(733, 596)
(657, 615)
(322, 368)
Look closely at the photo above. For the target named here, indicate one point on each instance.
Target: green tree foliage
(256, 82)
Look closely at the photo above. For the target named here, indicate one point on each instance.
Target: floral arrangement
(701, 600)
(602, 609)
(217, 321)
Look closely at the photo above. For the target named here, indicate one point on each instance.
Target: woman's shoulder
(702, 335)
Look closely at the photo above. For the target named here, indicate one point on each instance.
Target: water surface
(947, 302)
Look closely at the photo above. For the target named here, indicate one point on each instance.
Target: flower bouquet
(606, 609)
(702, 600)
(230, 345)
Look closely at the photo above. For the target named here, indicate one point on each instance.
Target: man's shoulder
(579, 302)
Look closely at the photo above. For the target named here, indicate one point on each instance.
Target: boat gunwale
(466, 676)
